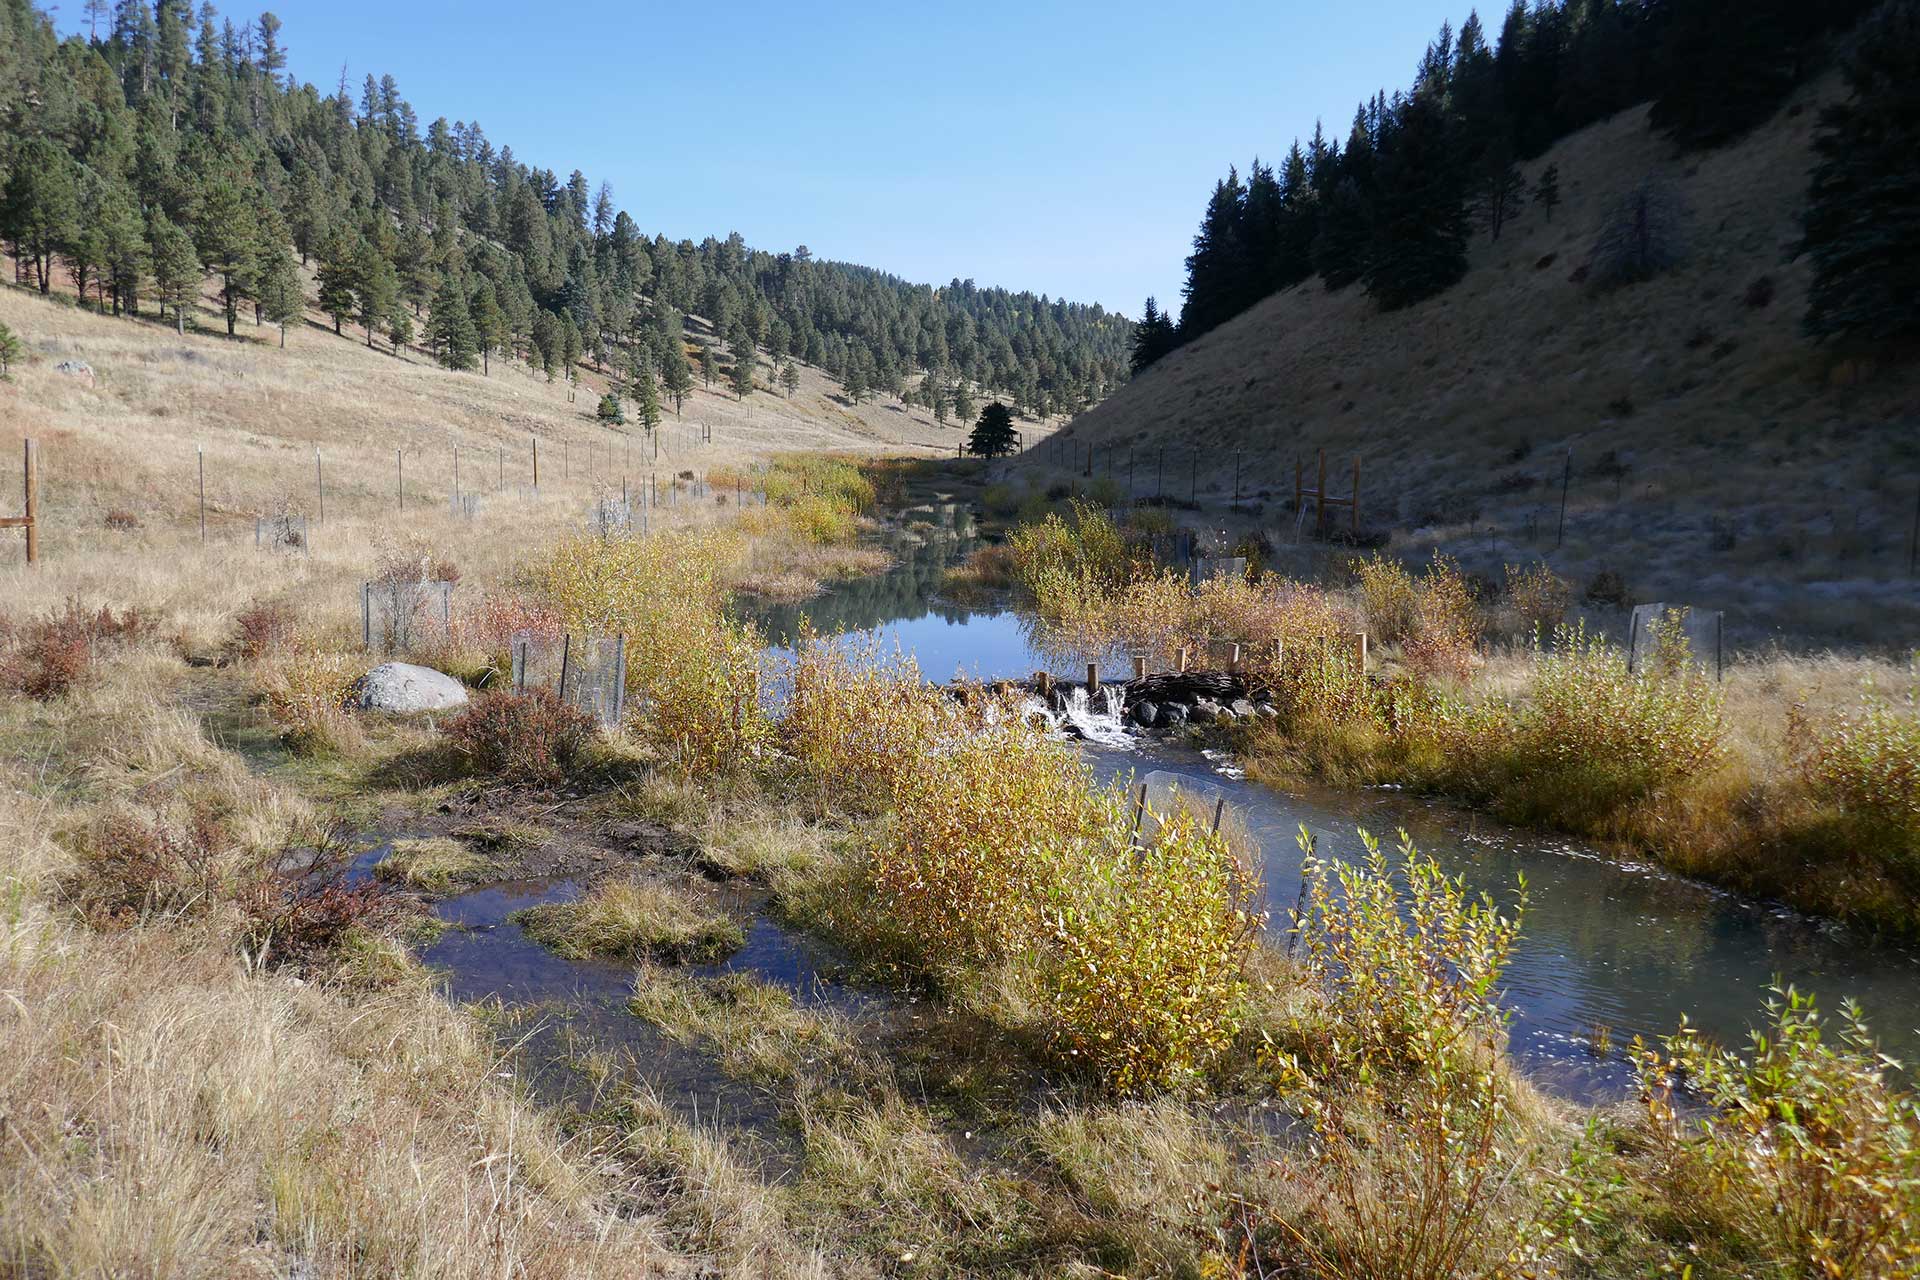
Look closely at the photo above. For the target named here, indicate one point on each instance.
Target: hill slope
(126, 439)
(1716, 457)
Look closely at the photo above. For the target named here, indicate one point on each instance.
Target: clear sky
(1067, 148)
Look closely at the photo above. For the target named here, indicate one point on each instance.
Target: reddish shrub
(524, 737)
(265, 626)
(122, 519)
(54, 653)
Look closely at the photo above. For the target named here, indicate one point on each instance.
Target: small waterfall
(1104, 726)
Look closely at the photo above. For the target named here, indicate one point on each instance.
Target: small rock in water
(1145, 714)
(1174, 715)
(1242, 709)
(1205, 711)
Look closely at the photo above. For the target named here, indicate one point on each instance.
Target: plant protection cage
(588, 673)
(397, 616)
(1701, 631)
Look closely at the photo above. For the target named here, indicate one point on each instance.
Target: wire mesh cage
(397, 616)
(283, 532)
(1700, 631)
(588, 673)
(1160, 795)
(1212, 568)
(610, 516)
(464, 506)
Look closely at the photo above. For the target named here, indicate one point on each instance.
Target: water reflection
(1625, 947)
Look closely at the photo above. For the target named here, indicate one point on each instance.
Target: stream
(1611, 950)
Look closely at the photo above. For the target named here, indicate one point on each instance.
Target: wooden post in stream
(1093, 679)
(1139, 666)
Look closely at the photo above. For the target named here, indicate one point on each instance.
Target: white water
(1103, 726)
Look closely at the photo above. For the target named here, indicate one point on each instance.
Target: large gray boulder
(403, 688)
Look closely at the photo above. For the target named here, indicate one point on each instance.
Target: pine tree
(226, 234)
(790, 376)
(1722, 68)
(1863, 202)
(742, 377)
(1420, 225)
(1217, 267)
(9, 351)
(1153, 337)
(571, 347)
(124, 240)
(1340, 250)
(338, 276)
(399, 329)
(456, 341)
(677, 375)
(647, 396)
(608, 411)
(1546, 192)
(962, 401)
(545, 333)
(41, 205)
(176, 268)
(376, 290)
(855, 382)
(709, 367)
(993, 434)
(1500, 189)
(282, 294)
(489, 324)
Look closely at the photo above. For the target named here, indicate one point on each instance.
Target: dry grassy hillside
(1717, 458)
(126, 440)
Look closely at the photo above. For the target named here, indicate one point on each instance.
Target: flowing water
(1612, 949)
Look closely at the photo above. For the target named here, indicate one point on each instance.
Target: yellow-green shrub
(1808, 1161)
(692, 670)
(1866, 762)
(1145, 979)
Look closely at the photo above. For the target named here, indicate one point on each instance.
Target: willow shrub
(1084, 555)
(1418, 1148)
(1144, 980)
(1808, 1158)
(835, 481)
(999, 851)
(693, 671)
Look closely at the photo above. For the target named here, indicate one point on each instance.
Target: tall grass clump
(1807, 1160)
(692, 669)
(838, 482)
(304, 685)
(1864, 763)
(1591, 738)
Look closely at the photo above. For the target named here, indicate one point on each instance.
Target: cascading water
(1079, 718)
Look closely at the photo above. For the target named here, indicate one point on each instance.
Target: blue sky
(1063, 148)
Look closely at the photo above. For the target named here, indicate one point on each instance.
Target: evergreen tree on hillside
(742, 377)
(283, 295)
(1546, 193)
(455, 337)
(993, 434)
(709, 367)
(790, 376)
(647, 396)
(226, 234)
(338, 276)
(1217, 267)
(1863, 204)
(1153, 337)
(1420, 225)
(677, 375)
(1724, 66)
(489, 324)
(1340, 250)
(10, 349)
(376, 288)
(41, 206)
(176, 268)
(962, 401)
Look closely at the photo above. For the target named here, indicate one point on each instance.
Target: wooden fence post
(30, 484)
(536, 464)
(1093, 678)
(200, 453)
(400, 477)
(320, 485)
